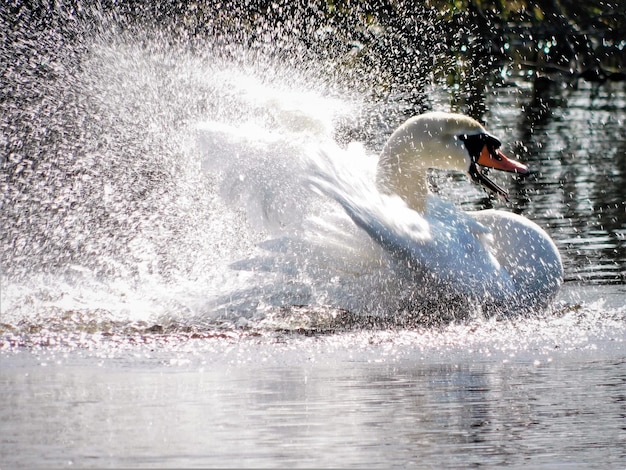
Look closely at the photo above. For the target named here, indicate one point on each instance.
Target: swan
(498, 260)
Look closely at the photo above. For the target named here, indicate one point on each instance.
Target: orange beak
(499, 161)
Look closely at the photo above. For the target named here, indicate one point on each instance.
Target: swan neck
(410, 184)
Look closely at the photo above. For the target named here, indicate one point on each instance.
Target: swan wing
(447, 248)
(385, 218)
(528, 254)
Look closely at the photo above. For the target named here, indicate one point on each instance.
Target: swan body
(493, 258)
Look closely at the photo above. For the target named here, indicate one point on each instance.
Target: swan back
(527, 253)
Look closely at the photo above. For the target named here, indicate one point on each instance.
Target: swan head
(445, 141)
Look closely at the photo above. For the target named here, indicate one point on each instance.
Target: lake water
(143, 180)
(543, 392)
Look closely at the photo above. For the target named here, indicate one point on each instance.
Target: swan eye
(476, 142)
(492, 142)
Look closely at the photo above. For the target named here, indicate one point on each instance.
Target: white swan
(494, 258)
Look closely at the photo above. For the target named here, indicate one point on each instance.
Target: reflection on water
(574, 141)
(376, 405)
(539, 391)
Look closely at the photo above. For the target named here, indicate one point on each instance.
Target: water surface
(143, 180)
(543, 392)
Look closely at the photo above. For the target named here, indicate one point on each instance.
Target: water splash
(176, 165)
(158, 188)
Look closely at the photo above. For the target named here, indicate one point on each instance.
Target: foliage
(394, 47)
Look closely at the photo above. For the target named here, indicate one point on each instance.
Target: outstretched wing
(448, 246)
(385, 218)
